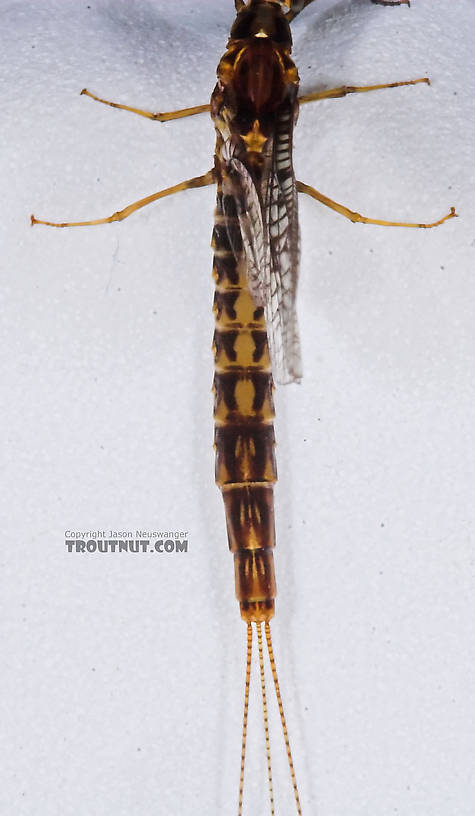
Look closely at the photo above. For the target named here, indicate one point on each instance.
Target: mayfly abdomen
(243, 413)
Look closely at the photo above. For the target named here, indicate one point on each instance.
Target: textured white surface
(122, 675)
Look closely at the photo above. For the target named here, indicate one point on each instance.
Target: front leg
(296, 7)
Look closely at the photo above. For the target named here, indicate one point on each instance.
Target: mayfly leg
(357, 218)
(189, 184)
(181, 113)
(299, 6)
(345, 90)
(155, 117)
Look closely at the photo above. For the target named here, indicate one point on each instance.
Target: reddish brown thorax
(258, 79)
(256, 71)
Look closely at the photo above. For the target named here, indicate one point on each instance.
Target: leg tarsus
(156, 117)
(197, 181)
(344, 90)
(357, 218)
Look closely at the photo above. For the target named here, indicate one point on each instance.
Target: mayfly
(254, 107)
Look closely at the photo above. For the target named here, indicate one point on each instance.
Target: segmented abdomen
(243, 413)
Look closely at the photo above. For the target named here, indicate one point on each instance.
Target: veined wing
(280, 213)
(270, 240)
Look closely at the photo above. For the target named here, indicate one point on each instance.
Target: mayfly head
(262, 19)
(286, 5)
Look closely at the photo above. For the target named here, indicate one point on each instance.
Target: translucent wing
(270, 241)
(280, 212)
(253, 229)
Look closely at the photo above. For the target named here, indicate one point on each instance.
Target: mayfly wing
(281, 214)
(266, 206)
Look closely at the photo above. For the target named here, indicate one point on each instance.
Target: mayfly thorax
(255, 242)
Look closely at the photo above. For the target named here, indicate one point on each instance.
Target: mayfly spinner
(254, 107)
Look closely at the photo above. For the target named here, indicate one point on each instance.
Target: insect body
(256, 251)
(255, 242)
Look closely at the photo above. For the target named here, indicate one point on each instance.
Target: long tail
(265, 715)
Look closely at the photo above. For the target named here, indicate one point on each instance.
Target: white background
(122, 675)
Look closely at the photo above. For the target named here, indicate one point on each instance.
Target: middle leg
(344, 90)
